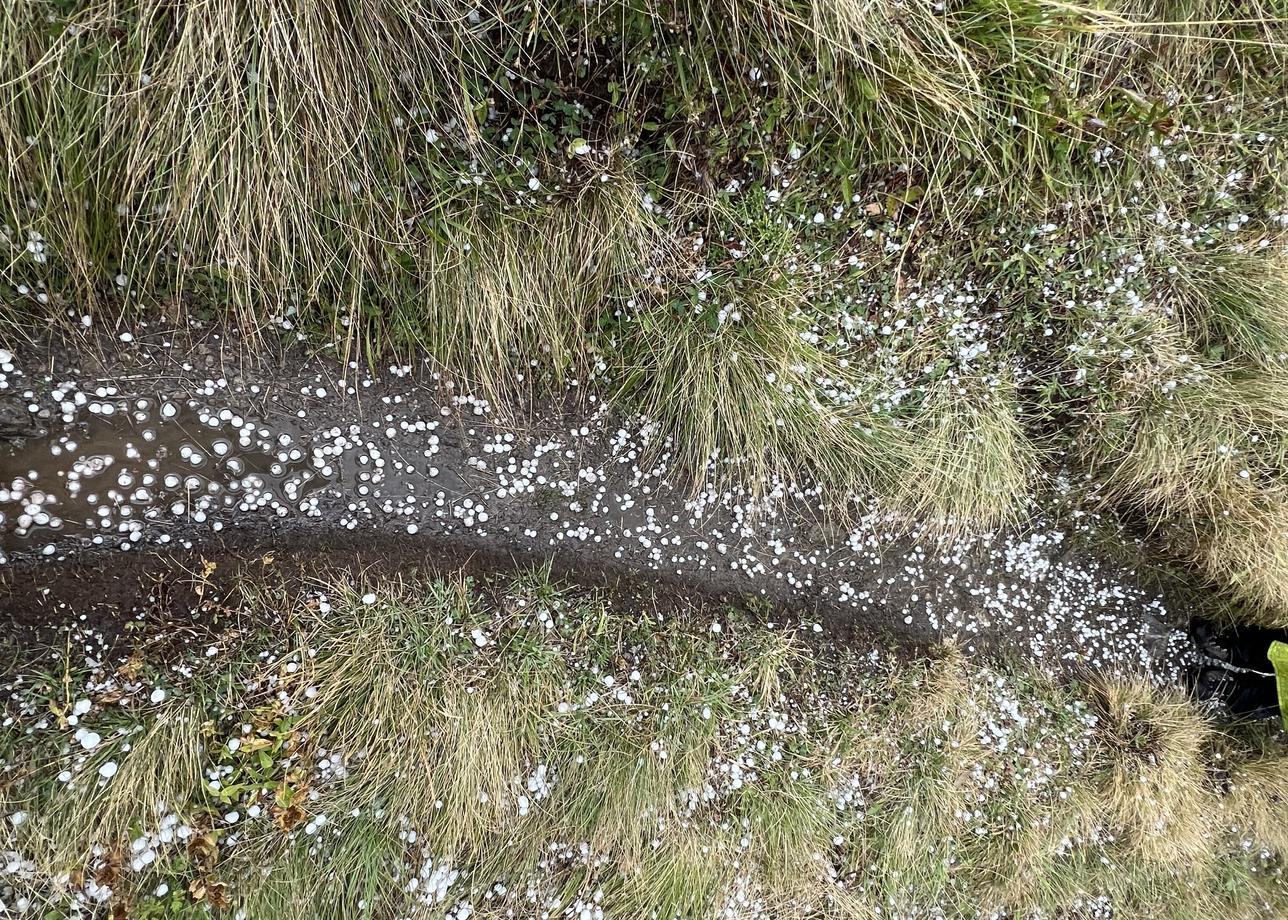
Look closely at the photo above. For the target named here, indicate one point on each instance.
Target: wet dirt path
(164, 441)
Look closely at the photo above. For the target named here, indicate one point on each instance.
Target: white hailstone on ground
(157, 696)
(369, 598)
(108, 770)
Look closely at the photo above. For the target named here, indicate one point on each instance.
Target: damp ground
(158, 449)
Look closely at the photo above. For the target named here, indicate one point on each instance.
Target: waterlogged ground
(161, 440)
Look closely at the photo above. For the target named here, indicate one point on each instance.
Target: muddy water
(125, 463)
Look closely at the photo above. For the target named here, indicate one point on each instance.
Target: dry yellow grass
(523, 299)
(969, 462)
(1157, 788)
(1256, 803)
(1205, 462)
(750, 399)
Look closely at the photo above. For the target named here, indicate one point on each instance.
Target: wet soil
(193, 596)
(201, 445)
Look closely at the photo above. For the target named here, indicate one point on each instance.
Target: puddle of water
(125, 463)
(115, 470)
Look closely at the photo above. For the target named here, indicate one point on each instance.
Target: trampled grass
(547, 749)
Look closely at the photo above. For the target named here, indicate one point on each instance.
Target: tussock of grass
(1184, 449)
(749, 398)
(685, 875)
(366, 865)
(427, 745)
(524, 286)
(1236, 300)
(924, 83)
(517, 744)
(917, 79)
(250, 144)
(739, 392)
(969, 460)
(625, 793)
(918, 808)
(1156, 784)
(1246, 550)
(1257, 803)
(793, 825)
(1201, 451)
(1196, 434)
(1185, 35)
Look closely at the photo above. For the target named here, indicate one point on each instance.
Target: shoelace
(1208, 660)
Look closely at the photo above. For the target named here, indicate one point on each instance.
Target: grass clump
(428, 746)
(423, 746)
(755, 397)
(526, 287)
(1233, 301)
(1155, 791)
(968, 457)
(136, 778)
(1214, 483)
(1257, 803)
(1194, 435)
(246, 146)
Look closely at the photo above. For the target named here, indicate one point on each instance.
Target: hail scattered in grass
(465, 747)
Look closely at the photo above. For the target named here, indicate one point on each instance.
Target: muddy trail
(149, 453)
(170, 600)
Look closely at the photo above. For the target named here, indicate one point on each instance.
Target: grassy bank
(511, 747)
(932, 252)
